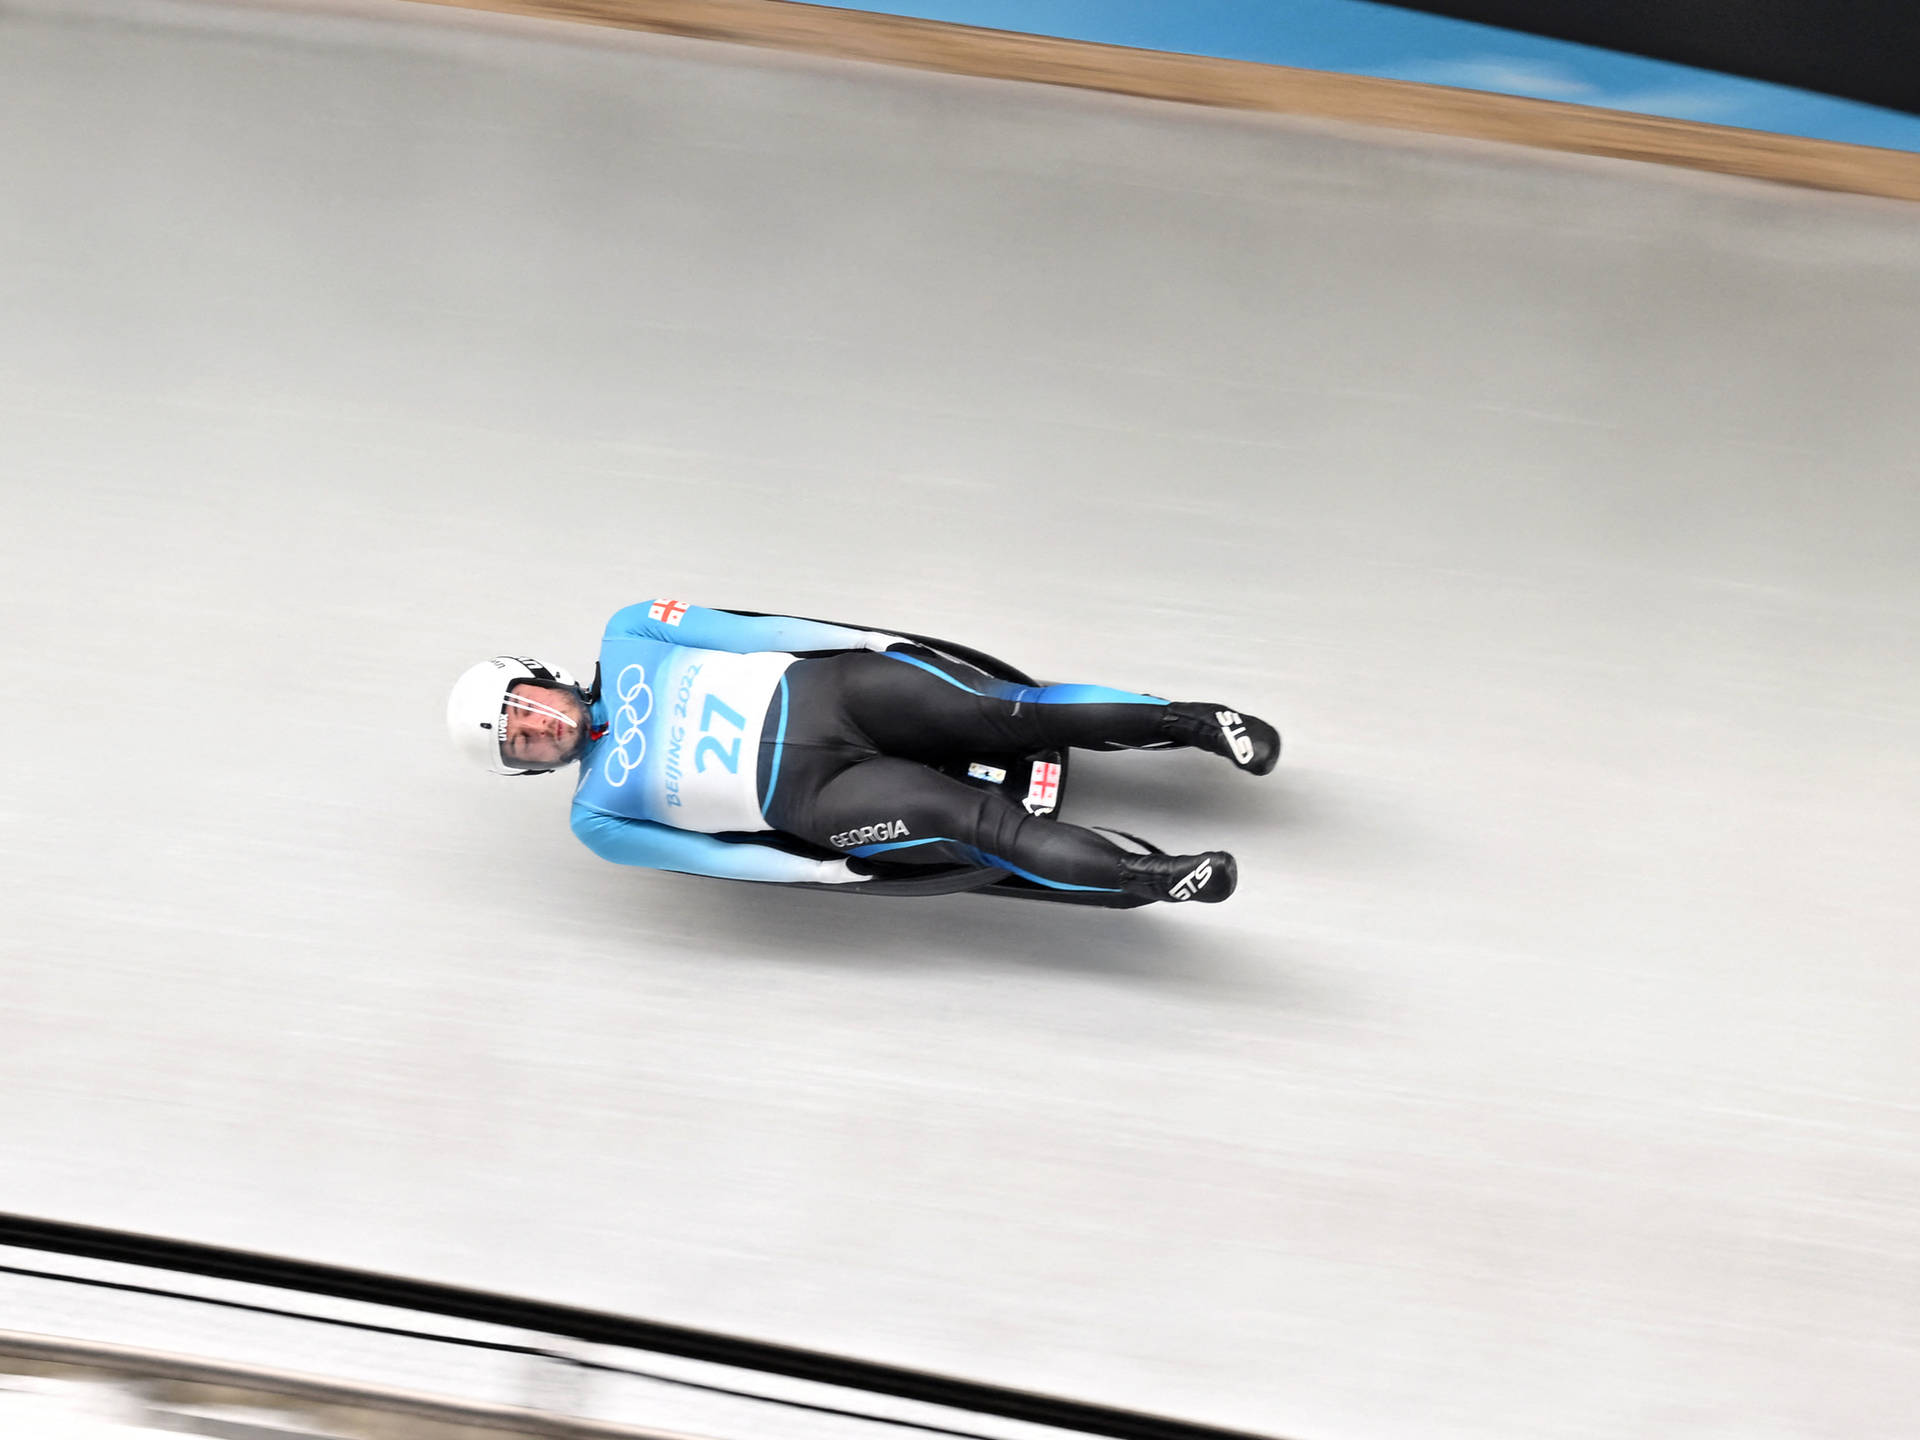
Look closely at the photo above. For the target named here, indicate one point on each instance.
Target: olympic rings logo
(636, 704)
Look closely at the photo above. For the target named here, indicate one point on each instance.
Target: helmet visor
(541, 726)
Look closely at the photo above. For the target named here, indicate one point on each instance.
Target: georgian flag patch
(671, 612)
(1043, 789)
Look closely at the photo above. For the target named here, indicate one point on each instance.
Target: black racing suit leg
(922, 705)
(901, 811)
(842, 769)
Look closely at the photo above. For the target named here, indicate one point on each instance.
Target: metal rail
(595, 1327)
(257, 1382)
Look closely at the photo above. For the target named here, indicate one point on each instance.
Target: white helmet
(477, 708)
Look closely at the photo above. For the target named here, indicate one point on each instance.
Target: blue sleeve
(678, 623)
(661, 847)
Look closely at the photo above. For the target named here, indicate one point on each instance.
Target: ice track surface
(1552, 1075)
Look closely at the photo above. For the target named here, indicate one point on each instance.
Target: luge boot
(1248, 741)
(1208, 878)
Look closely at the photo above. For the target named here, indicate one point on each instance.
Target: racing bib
(682, 739)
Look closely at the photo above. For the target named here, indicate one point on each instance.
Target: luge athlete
(708, 733)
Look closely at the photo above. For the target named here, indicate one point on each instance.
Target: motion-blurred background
(1550, 1076)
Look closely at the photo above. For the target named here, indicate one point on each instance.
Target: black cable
(496, 1346)
(225, 1304)
(920, 1425)
(596, 1327)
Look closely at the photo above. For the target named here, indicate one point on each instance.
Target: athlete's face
(544, 726)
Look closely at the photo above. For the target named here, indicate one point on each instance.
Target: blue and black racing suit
(713, 732)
